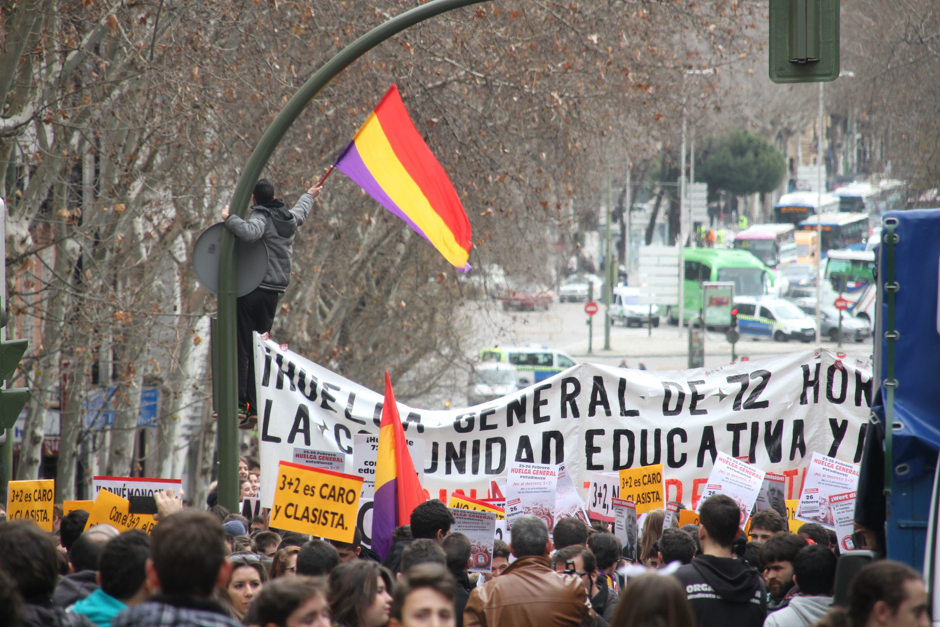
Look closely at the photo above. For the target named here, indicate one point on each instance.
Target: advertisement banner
(774, 411)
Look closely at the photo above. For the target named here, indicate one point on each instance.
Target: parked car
(576, 287)
(489, 381)
(528, 298)
(853, 329)
(626, 308)
(773, 318)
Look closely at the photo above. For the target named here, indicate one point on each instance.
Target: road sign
(590, 308)
(699, 203)
(841, 304)
(659, 275)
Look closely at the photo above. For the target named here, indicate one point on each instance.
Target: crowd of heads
(252, 575)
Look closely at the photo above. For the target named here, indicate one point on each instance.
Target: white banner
(773, 412)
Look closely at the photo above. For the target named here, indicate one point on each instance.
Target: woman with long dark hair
(653, 600)
(360, 594)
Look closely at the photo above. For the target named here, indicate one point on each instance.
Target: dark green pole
(226, 378)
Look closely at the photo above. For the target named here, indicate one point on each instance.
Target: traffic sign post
(590, 320)
(590, 308)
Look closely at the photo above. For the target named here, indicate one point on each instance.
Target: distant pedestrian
(652, 600)
(360, 594)
(883, 594)
(765, 524)
(424, 597)
(273, 223)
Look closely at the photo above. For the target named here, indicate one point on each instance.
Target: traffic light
(13, 400)
(804, 41)
(734, 318)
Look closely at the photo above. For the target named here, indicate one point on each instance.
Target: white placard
(625, 526)
(250, 507)
(842, 507)
(126, 487)
(365, 452)
(825, 476)
(604, 486)
(773, 494)
(567, 500)
(736, 479)
(328, 460)
(530, 489)
(672, 515)
(480, 528)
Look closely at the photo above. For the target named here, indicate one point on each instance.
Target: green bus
(749, 275)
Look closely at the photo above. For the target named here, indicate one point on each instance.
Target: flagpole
(227, 377)
(332, 167)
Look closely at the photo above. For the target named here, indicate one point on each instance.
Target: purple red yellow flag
(397, 487)
(389, 160)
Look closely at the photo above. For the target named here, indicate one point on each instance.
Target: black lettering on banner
(311, 394)
(547, 438)
(570, 399)
(622, 397)
(537, 403)
(463, 423)
(326, 398)
(657, 447)
(810, 383)
(598, 397)
(862, 387)
(434, 451)
(349, 409)
(752, 402)
(266, 375)
(516, 409)
(475, 457)
(860, 448)
(414, 417)
(695, 398)
(290, 376)
(671, 460)
(742, 379)
(708, 444)
(377, 414)
(279, 374)
(301, 425)
(360, 521)
(489, 468)
(590, 450)
(631, 446)
(667, 396)
(755, 435)
(773, 440)
(341, 427)
(798, 443)
(736, 428)
(451, 456)
(838, 434)
(266, 422)
(524, 450)
(830, 379)
(484, 426)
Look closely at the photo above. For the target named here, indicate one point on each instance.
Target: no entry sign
(841, 304)
(590, 308)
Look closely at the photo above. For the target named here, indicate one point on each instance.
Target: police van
(532, 363)
(773, 318)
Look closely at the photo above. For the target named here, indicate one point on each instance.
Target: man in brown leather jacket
(529, 593)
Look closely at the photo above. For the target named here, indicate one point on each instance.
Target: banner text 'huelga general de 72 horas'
(772, 412)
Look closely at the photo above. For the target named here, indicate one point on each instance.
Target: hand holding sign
(317, 502)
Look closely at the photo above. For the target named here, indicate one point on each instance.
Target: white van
(531, 363)
(627, 309)
(773, 318)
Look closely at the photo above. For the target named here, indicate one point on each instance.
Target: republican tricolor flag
(397, 488)
(389, 160)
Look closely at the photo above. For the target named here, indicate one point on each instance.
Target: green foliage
(742, 163)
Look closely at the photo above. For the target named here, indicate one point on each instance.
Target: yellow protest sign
(111, 509)
(33, 500)
(687, 517)
(71, 506)
(316, 501)
(792, 522)
(459, 501)
(643, 486)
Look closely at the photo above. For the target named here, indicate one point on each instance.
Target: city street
(563, 327)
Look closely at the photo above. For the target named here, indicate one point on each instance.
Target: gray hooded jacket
(801, 611)
(276, 226)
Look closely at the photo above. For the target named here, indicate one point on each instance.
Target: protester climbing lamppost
(226, 376)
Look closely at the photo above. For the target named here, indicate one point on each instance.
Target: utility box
(804, 41)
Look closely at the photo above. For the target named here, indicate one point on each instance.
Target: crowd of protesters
(212, 568)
